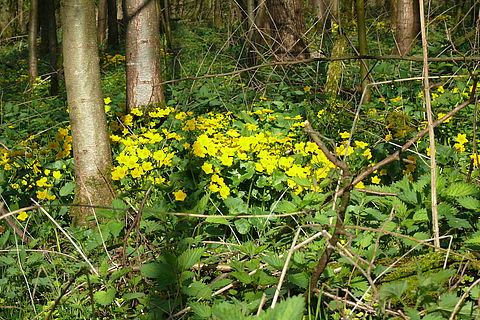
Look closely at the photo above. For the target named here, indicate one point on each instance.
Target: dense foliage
(222, 189)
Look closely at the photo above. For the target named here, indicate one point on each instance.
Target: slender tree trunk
(91, 145)
(7, 18)
(43, 25)
(32, 42)
(406, 26)
(22, 26)
(322, 14)
(288, 29)
(52, 47)
(217, 14)
(112, 37)
(363, 49)
(102, 22)
(144, 71)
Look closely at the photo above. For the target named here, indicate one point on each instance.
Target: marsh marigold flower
(180, 195)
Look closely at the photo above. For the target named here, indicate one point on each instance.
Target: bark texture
(32, 42)
(102, 22)
(91, 145)
(144, 71)
(112, 38)
(288, 29)
(407, 25)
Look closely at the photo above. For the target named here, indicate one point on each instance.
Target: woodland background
(237, 159)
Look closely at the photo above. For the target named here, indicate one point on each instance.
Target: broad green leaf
(393, 290)
(284, 206)
(156, 270)
(235, 206)
(189, 257)
(300, 279)
(119, 273)
(105, 297)
(242, 276)
(289, 309)
(421, 215)
(67, 189)
(242, 225)
(469, 203)
(198, 290)
(461, 189)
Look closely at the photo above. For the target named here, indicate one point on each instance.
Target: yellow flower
(376, 180)
(307, 88)
(207, 168)
(360, 185)
(137, 172)
(107, 100)
(180, 195)
(43, 182)
(42, 194)
(367, 153)
(47, 172)
(320, 113)
(143, 153)
(136, 112)
(361, 144)
(441, 115)
(345, 135)
(461, 138)
(388, 137)
(57, 175)
(22, 216)
(440, 89)
(119, 173)
(147, 166)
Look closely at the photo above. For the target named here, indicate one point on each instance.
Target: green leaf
(189, 257)
(242, 225)
(299, 279)
(67, 189)
(393, 290)
(201, 310)
(104, 268)
(461, 189)
(284, 206)
(198, 290)
(289, 309)
(218, 221)
(242, 276)
(105, 297)
(235, 206)
(156, 270)
(469, 203)
(420, 215)
(119, 273)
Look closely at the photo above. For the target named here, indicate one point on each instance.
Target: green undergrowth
(212, 188)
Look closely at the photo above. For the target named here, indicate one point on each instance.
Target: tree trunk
(52, 47)
(406, 25)
(217, 14)
(32, 42)
(322, 10)
(22, 25)
(144, 71)
(288, 29)
(7, 18)
(102, 22)
(91, 145)
(112, 37)
(363, 49)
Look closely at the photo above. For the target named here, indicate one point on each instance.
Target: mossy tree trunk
(91, 145)
(144, 72)
(363, 49)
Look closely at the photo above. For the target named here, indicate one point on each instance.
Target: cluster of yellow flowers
(107, 60)
(224, 144)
